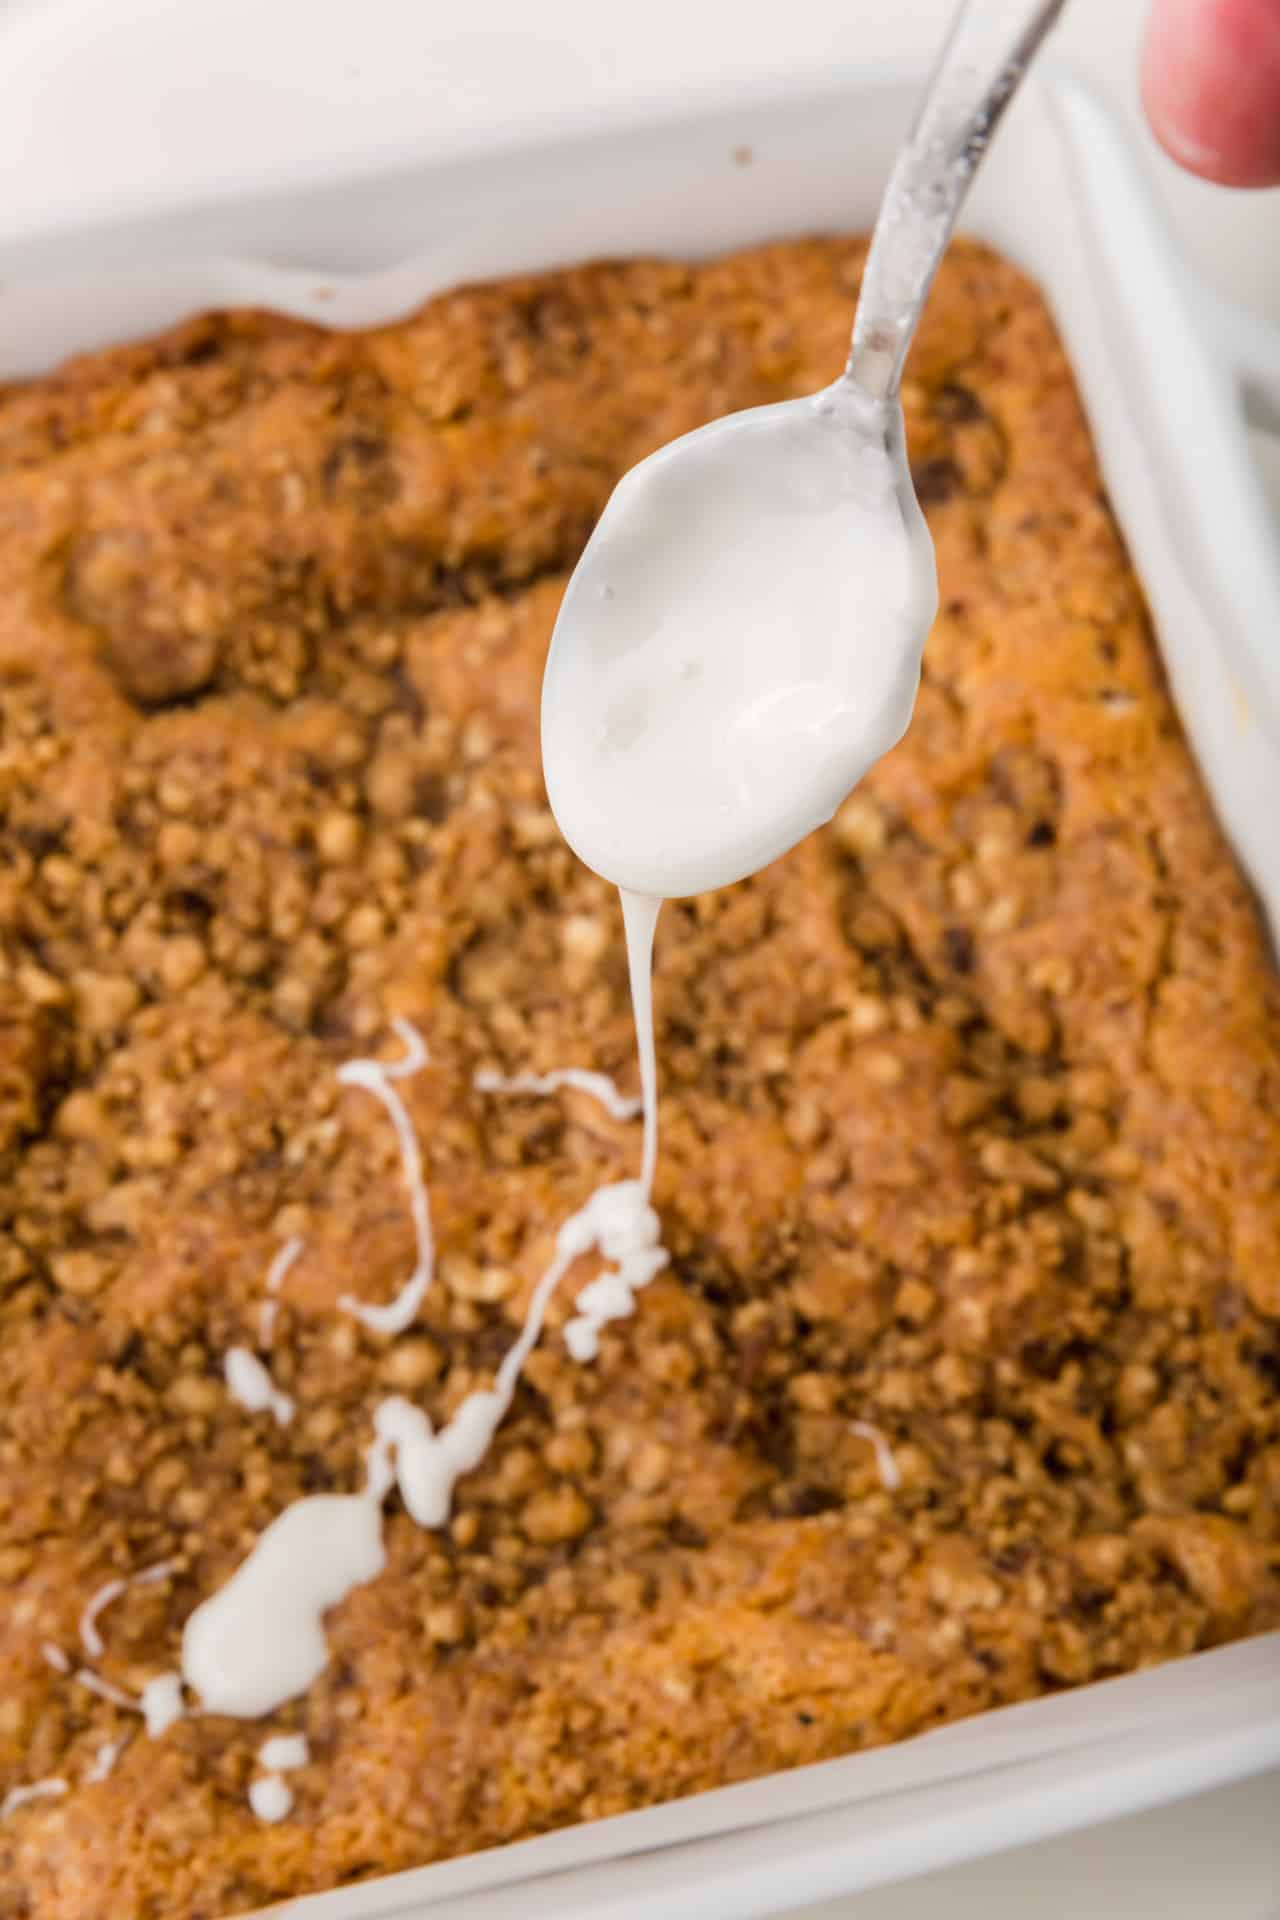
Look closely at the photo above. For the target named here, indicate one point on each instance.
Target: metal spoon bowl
(742, 637)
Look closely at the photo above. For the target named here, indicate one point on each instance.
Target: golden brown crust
(970, 1105)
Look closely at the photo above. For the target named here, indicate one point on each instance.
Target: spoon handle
(988, 49)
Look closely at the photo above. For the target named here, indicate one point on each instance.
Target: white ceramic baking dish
(1168, 376)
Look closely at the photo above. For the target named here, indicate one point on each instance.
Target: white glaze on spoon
(741, 639)
(739, 643)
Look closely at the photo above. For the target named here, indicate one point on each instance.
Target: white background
(494, 61)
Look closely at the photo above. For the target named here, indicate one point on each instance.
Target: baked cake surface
(971, 1106)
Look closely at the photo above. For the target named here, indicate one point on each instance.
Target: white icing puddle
(259, 1641)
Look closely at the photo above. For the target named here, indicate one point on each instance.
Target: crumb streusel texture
(971, 1106)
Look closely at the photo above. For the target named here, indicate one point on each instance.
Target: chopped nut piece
(556, 1515)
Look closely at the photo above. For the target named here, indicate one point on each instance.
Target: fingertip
(1210, 80)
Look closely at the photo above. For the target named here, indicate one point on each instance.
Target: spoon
(741, 639)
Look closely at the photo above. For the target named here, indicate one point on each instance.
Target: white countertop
(1216, 1857)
